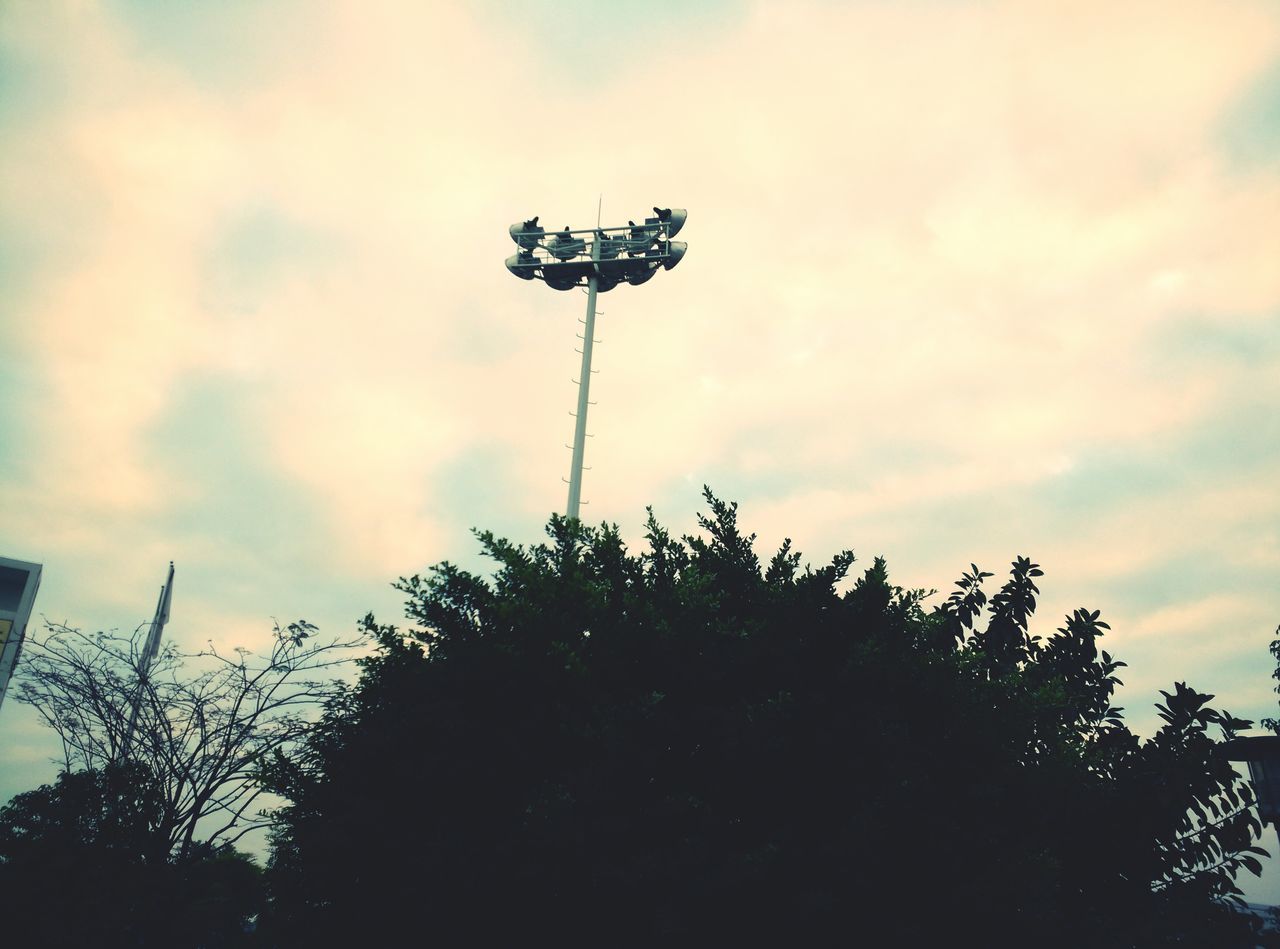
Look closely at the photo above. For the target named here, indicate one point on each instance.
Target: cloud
(959, 237)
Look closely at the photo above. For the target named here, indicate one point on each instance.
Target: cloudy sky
(965, 280)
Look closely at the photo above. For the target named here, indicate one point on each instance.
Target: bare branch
(205, 721)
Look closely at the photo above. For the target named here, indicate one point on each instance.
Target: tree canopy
(81, 864)
(688, 744)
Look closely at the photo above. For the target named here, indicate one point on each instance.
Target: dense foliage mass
(82, 863)
(686, 745)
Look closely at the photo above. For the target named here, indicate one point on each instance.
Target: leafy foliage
(1273, 723)
(81, 864)
(685, 744)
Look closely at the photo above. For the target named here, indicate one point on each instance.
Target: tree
(205, 720)
(1274, 723)
(689, 746)
(78, 867)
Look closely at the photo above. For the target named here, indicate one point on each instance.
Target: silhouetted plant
(81, 864)
(1274, 723)
(595, 747)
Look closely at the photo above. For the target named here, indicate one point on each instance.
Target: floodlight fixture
(673, 252)
(529, 234)
(598, 259)
(569, 258)
(522, 264)
(673, 218)
(564, 246)
(639, 271)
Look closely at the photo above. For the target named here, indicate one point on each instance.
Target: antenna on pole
(149, 651)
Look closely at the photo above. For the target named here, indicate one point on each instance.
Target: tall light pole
(598, 258)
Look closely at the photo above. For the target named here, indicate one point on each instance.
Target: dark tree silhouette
(689, 746)
(81, 865)
(1274, 723)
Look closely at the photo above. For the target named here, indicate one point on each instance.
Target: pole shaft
(584, 389)
(148, 656)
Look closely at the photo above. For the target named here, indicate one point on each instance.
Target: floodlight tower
(598, 258)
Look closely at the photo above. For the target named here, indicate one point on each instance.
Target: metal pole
(584, 386)
(149, 651)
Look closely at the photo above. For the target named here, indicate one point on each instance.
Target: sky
(965, 281)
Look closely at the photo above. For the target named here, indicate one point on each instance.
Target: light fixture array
(567, 258)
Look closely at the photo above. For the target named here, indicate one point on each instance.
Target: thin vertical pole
(148, 656)
(584, 387)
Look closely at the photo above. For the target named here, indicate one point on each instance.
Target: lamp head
(527, 233)
(558, 279)
(675, 253)
(522, 264)
(673, 218)
(641, 270)
(566, 246)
